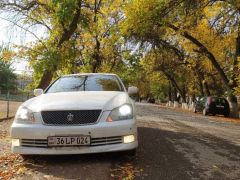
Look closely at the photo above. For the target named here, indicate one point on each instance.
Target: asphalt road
(172, 145)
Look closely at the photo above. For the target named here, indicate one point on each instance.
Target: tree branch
(25, 30)
(207, 53)
(73, 26)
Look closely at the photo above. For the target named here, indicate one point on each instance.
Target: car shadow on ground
(156, 158)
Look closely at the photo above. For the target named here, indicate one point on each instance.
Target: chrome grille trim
(106, 141)
(94, 142)
(34, 142)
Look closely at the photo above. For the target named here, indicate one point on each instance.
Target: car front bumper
(107, 131)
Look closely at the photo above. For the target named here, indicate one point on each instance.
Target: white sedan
(77, 114)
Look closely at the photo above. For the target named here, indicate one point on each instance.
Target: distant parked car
(212, 105)
(151, 100)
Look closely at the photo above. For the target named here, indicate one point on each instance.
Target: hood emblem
(70, 117)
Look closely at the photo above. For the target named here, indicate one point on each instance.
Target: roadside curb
(218, 118)
(3, 119)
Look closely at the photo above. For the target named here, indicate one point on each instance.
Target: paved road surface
(172, 145)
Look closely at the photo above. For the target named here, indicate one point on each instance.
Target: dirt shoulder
(13, 106)
(172, 145)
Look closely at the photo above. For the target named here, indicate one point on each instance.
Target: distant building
(23, 80)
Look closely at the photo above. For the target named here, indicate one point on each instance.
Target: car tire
(130, 153)
(226, 114)
(205, 113)
(26, 157)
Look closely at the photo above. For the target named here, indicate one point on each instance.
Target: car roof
(216, 97)
(90, 74)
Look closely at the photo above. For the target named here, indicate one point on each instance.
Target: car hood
(105, 100)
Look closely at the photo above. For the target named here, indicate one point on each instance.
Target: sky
(13, 35)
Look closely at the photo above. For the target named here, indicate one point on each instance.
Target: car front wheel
(130, 153)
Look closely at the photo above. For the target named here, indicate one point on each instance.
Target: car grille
(42, 143)
(75, 117)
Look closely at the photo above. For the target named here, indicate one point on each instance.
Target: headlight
(123, 112)
(24, 116)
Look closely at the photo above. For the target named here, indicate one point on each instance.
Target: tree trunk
(169, 103)
(96, 56)
(235, 62)
(232, 98)
(67, 34)
(174, 83)
(175, 98)
(170, 93)
(206, 88)
(184, 98)
(174, 94)
(233, 106)
(200, 84)
(46, 79)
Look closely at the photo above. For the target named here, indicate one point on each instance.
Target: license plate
(68, 140)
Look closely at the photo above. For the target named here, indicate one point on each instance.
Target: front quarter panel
(117, 101)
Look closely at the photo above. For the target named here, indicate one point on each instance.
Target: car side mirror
(38, 92)
(132, 90)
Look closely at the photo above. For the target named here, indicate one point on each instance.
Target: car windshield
(220, 101)
(86, 83)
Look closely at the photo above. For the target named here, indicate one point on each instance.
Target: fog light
(128, 139)
(15, 142)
